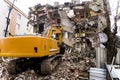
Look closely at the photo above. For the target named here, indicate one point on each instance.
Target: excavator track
(11, 67)
(48, 65)
(17, 66)
(41, 66)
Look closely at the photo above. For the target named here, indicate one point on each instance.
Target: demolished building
(83, 26)
(83, 23)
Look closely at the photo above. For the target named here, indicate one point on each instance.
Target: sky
(25, 4)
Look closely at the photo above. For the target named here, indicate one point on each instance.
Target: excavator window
(55, 36)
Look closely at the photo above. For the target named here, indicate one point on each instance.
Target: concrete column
(118, 56)
(101, 57)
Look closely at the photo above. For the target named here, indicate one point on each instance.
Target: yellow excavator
(40, 53)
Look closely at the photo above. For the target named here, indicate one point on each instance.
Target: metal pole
(8, 20)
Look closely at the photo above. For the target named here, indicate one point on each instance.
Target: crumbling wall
(83, 31)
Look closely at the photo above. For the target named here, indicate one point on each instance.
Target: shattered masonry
(83, 25)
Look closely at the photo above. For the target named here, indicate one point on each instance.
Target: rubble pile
(82, 23)
(83, 26)
(74, 66)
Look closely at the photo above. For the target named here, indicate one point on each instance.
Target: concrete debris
(95, 6)
(80, 21)
(82, 24)
(74, 66)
